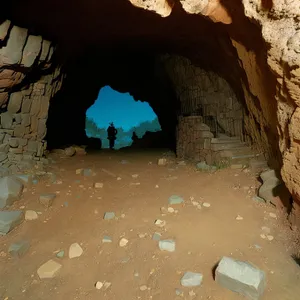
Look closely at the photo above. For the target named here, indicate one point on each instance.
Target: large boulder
(10, 190)
(241, 277)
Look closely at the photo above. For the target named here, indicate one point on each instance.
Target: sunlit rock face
(251, 44)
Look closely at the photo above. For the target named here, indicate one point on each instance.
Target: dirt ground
(203, 236)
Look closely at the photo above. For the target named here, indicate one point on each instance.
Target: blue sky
(119, 108)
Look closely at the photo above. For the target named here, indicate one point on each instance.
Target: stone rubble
(175, 199)
(75, 250)
(167, 245)
(10, 191)
(49, 269)
(31, 215)
(106, 239)
(47, 199)
(9, 220)
(241, 277)
(109, 216)
(123, 242)
(19, 249)
(191, 279)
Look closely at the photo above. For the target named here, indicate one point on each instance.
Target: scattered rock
(272, 215)
(75, 250)
(160, 223)
(156, 236)
(162, 161)
(10, 190)
(171, 210)
(175, 199)
(143, 288)
(99, 285)
(191, 279)
(109, 215)
(167, 245)
(119, 178)
(263, 236)
(9, 220)
(31, 215)
(135, 175)
(240, 277)
(78, 171)
(179, 292)
(123, 242)
(47, 199)
(25, 178)
(202, 166)
(106, 285)
(98, 185)
(239, 218)
(19, 248)
(106, 239)
(70, 151)
(60, 254)
(258, 199)
(206, 204)
(270, 237)
(266, 229)
(87, 172)
(236, 166)
(142, 235)
(49, 269)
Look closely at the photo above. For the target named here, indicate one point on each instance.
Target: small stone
(135, 175)
(192, 294)
(49, 269)
(241, 277)
(272, 215)
(143, 288)
(156, 186)
(31, 215)
(19, 249)
(98, 185)
(99, 285)
(60, 254)
(162, 161)
(142, 235)
(263, 236)
(87, 172)
(178, 292)
(270, 237)
(160, 223)
(175, 199)
(10, 190)
(106, 239)
(258, 199)
(239, 218)
(167, 245)
(70, 151)
(47, 199)
(171, 210)
(191, 279)
(237, 166)
(123, 242)
(75, 250)
(206, 204)
(109, 215)
(156, 236)
(119, 178)
(106, 285)
(78, 171)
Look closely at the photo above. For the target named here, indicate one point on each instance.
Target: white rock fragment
(75, 250)
(206, 204)
(239, 218)
(106, 285)
(167, 245)
(266, 229)
(171, 210)
(160, 223)
(99, 285)
(191, 279)
(98, 185)
(143, 288)
(272, 215)
(123, 242)
(270, 237)
(49, 269)
(31, 215)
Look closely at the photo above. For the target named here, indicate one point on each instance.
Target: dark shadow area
(296, 258)
(213, 270)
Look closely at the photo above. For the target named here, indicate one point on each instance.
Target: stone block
(167, 245)
(45, 50)
(15, 102)
(3, 156)
(207, 144)
(175, 199)
(19, 131)
(270, 174)
(17, 118)
(109, 215)
(14, 142)
(42, 128)
(201, 127)
(49, 269)
(2, 135)
(32, 146)
(3, 98)
(241, 277)
(12, 53)
(45, 101)
(22, 142)
(35, 106)
(47, 199)
(10, 190)
(9, 220)
(26, 105)
(269, 190)
(6, 120)
(205, 134)
(4, 26)
(24, 178)
(25, 119)
(4, 171)
(191, 279)
(162, 162)
(31, 50)
(156, 236)
(19, 248)
(7, 138)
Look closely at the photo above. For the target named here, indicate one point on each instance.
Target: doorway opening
(128, 115)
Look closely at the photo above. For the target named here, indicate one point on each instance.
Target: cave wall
(28, 81)
(207, 94)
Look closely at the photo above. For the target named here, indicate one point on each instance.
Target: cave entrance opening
(134, 120)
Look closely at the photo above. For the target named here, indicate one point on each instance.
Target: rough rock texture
(10, 191)
(9, 220)
(24, 101)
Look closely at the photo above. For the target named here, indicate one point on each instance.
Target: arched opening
(128, 116)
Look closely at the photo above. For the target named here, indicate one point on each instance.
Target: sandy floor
(202, 236)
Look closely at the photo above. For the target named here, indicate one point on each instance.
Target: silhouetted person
(111, 135)
(134, 137)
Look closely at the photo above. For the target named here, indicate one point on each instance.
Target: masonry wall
(28, 81)
(206, 94)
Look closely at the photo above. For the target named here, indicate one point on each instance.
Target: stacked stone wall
(24, 107)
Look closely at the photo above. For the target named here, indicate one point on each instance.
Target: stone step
(225, 140)
(236, 151)
(227, 146)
